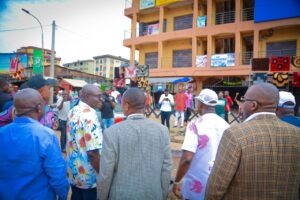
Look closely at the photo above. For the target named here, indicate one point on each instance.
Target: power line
(24, 29)
(73, 32)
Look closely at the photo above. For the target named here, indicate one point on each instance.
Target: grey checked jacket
(136, 161)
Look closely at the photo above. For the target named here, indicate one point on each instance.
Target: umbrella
(181, 80)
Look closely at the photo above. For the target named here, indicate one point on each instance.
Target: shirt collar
(25, 119)
(81, 103)
(259, 113)
(136, 115)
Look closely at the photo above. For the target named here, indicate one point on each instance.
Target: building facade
(105, 65)
(87, 66)
(210, 40)
(47, 55)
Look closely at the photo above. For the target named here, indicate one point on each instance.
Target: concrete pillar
(161, 19)
(237, 48)
(160, 55)
(211, 12)
(194, 50)
(132, 55)
(237, 11)
(195, 14)
(210, 49)
(256, 44)
(133, 25)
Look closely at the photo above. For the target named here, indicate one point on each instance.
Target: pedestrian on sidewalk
(221, 105)
(63, 105)
(180, 107)
(32, 166)
(189, 103)
(199, 148)
(166, 101)
(107, 109)
(136, 159)
(229, 104)
(84, 143)
(259, 158)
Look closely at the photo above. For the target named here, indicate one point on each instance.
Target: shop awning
(164, 79)
(75, 82)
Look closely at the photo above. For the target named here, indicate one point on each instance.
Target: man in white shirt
(166, 101)
(200, 146)
(63, 105)
(116, 94)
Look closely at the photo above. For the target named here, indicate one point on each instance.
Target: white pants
(177, 114)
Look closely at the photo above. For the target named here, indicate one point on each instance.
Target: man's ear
(254, 106)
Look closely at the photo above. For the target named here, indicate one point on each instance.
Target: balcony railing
(247, 14)
(246, 58)
(225, 17)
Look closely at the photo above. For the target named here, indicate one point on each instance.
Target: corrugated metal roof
(75, 82)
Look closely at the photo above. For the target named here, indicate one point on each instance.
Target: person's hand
(176, 190)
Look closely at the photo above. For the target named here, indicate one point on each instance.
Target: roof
(111, 56)
(75, 82)
(78, 61)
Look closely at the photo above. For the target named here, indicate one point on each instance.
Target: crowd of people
(256, 159)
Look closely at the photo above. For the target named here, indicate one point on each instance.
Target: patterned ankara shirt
(83, 134)
(202, 137)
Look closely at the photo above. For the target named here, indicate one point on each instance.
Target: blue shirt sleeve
(55, 168)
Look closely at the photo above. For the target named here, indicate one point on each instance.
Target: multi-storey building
(87, 66)
(191, 37)
(47, 55)
(105, 65)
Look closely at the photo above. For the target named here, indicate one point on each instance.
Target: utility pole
(52, 66)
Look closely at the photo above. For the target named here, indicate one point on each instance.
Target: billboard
(201, 61)
(222, 60)
(147, 4)
(165, 2)
(12, 62)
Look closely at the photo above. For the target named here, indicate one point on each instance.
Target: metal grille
(225, 17)
(247, 14)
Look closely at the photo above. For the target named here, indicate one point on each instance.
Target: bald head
(27, 101)
(91, 95)
(135, 98)
(260, 98)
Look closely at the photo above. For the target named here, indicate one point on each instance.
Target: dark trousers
(63, 136)
(83, 194)
(165, 117)
(226, 116)
(187, 114)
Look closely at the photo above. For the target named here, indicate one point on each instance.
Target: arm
(183, 167)
(55, 168)
(108, 162)
(161, 99)
(225, 167)
(167, 165)
(111, 102)
(60, 103)
(94, 159)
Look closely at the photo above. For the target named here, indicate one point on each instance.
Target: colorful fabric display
(296, 79)
(281, 64)
(142, 71)
(260, 64)
(280, 79)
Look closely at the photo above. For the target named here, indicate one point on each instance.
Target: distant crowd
(101, 159)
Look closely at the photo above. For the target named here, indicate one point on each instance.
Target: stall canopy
(75, 82)
(167, 79)
(182, 80)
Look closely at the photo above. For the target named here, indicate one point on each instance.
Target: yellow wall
(148, 18)
(281, 35)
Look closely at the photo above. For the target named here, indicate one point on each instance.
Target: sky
(85, 28)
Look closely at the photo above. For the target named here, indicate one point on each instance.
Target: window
(182, 58)
(151, 59)
(288, 48)
(183, 22)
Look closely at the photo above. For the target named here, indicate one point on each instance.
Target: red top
(230, 102)
(180, 101)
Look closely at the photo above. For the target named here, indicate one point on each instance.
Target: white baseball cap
(208, 97)
(285, 97)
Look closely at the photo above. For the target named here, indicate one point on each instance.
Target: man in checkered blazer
(259, 158)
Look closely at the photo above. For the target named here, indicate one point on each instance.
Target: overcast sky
(86, 28)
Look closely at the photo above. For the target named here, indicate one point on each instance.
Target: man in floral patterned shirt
(84, 142)
(200, 146)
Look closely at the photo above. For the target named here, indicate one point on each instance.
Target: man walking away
(32, 166)
(199, 148)
(84, 141)
(63, 105)
(136, 160)
(285, 109)
(259, 158)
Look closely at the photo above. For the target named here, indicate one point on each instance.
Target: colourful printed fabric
(83, 134)
(202, 137)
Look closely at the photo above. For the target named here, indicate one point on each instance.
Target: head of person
(207, 101)
(42, 85)
(226, 93)
(262, 97)
(15, 88)
(107, 91)
(91, 95)
(4, 85)
(166, 91)
(221, 94)
(28, 102)
(190, 90)
(133, 101)
(286, 104)
(64, 95)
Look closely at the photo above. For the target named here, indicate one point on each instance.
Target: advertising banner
(201, 21)
(147, 4)
(153, 29)
(37, 62)
(165, 2)
(201, 61)
(12, 62)
(222, 60)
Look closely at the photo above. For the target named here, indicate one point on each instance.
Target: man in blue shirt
(32, 166)
(285, 109)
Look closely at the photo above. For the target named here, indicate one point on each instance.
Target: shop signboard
(222, 60)
(147, 4)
